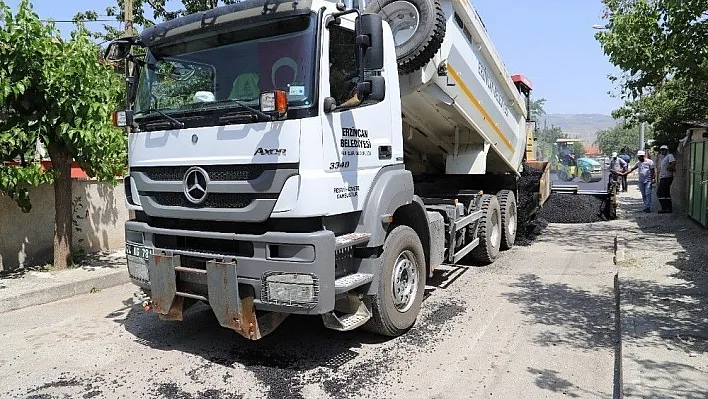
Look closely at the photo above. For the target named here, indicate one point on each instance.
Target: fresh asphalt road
(536, 324)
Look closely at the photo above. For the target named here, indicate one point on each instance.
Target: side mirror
(118, 49)
(373, 88)
(369, 36)
(378, 88)
(330, 104)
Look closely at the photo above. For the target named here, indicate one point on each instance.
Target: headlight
(274, 102)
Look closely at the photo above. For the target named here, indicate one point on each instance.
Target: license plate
(138, 251)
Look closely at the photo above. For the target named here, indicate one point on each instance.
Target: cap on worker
(614, 155)
(664, 147)
(641, 153)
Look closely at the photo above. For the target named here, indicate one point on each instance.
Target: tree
(578, 149)
(59, 93)
(537, 110)
(620, 136)
(145, 17)
(546, 138)
(671, 108)
(660, 47)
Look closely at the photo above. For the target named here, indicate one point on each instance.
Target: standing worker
(667, 167)
(617, 167)
(647, 177)
(624, 154)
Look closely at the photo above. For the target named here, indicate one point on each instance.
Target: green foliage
(173, 84)
(546, 137)
(578, 149)
(654, 39)
(16, 180)
(537, 110)
(660, 47)
(669, 107)
(58, 93)
(141, 18)
(621, 136)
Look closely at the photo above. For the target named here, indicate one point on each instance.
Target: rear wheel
(418, 28)
(401, 284)
(489, 231)
(507, 204)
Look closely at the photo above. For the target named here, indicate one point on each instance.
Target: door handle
(385, 152)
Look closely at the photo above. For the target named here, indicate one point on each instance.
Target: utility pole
(128, 17)
(641, 136)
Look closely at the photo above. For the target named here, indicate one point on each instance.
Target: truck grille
(215, 172)
(213, 200)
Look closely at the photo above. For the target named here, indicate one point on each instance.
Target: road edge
(65, 290)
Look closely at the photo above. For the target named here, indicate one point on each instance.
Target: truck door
(356, 136)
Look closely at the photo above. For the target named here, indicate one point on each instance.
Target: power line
(79, 20)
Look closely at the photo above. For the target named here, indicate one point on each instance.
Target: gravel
(529, 184)
(572, 208)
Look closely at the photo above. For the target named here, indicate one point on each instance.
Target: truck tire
(509, 218)
(418, 29)
(401, 284)
(489, 231)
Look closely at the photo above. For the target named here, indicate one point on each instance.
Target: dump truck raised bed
(320, 158)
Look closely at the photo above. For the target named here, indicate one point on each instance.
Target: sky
(551, 42)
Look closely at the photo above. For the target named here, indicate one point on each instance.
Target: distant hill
(582, 126)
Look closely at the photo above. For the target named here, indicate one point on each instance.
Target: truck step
(351, 239)
(348, 283)
(347, 322)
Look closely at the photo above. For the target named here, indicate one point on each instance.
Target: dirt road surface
(537, 323)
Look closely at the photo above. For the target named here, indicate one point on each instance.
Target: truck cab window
(343, 74)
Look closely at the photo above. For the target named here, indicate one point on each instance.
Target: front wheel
(401, 284)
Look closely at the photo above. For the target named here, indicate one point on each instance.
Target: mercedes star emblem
(195, 185)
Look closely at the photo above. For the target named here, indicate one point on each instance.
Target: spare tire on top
(418, 28)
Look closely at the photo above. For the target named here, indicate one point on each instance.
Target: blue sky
(550, 41)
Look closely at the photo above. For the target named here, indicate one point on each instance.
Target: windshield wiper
(173, 122)
(256, 112)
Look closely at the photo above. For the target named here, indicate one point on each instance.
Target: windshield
(211, 71)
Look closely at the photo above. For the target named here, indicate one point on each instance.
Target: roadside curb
(618, 383)
(620, 253)
(64, 290)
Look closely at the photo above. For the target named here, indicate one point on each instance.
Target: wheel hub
(404, 281)
(511, 223)
(495, 235)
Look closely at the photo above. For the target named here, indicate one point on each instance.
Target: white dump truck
(318, 158)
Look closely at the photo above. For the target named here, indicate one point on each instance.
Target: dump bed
(462, 112)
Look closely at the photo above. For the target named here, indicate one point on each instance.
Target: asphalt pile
(571, 208)
(529, 185)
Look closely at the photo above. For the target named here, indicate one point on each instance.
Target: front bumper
(226, 278)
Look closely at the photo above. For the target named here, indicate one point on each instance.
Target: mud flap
(163, 286)
(238, 314)
(222, 279)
